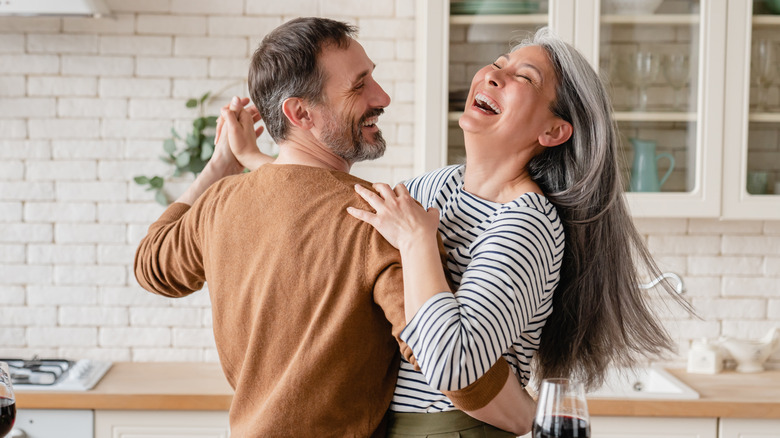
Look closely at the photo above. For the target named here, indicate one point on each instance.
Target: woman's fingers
(401, 190)
(363, 215)
(372, 198)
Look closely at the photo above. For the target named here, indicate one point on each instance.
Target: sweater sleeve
(514, 268)
(168, 260)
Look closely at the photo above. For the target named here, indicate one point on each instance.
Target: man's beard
(345, 137)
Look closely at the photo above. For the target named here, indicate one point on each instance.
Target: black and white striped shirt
(505, 260)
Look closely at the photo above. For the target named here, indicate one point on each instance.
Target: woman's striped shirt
(505, 260)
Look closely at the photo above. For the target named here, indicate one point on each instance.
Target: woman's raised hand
(398, 217)
(236, 126)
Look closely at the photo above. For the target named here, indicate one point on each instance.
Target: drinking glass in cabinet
(676, 67)
(638, 70)
(764, 68)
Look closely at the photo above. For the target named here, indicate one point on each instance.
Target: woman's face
(509, 100)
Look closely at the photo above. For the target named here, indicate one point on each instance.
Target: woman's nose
(493, 78)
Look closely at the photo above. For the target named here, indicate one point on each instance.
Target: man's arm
(168, 259)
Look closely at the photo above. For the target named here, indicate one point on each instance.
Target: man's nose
(379, 99)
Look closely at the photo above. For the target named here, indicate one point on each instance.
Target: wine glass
(638, 69)
(676, 67)
(561, 411)
(764, 68)
(7, 401)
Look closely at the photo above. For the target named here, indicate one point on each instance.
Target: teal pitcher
(644, 171)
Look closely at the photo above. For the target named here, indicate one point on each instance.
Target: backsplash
(84, 107)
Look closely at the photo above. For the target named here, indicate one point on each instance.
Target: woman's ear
(557, 134)
(297, 112)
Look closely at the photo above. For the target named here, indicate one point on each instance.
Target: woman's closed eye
(518, 75)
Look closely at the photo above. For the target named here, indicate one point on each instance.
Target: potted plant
(187, 154)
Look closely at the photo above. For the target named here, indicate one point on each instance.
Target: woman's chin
(470, 124)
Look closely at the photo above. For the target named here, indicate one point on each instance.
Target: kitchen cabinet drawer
(161, 424)
(749, 428)
(653, 427)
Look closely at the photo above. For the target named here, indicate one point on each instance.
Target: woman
(537, 235)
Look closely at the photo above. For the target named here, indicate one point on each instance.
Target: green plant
(186, 154)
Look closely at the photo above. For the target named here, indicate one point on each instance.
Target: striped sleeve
(424, 188)
(514, 269)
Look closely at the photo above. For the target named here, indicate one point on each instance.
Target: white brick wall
(84, 107)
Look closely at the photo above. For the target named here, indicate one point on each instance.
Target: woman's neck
(498, 178)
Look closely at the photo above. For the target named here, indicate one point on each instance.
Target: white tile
(135, 337)
(49, 253)
(62, 336)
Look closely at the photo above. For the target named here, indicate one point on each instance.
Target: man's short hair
(286, 65)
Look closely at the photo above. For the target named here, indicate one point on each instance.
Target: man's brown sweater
(307, 301)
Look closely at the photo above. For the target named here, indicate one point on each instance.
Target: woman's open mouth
(486, 104)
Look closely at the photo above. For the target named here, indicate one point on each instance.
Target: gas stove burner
(37, 371)
(55, 374)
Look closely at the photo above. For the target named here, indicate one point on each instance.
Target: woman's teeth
(486, 103)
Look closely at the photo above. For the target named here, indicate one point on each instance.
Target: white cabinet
(749, 428)
(161, 424)
(704, 114)
(752, 127)
(649, 427)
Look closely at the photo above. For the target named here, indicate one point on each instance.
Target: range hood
(92, 8)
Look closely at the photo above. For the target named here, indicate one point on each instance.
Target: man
(307, 302)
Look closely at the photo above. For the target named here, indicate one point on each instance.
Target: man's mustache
(374, 112)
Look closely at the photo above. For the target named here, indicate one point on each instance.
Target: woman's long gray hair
(600, 315)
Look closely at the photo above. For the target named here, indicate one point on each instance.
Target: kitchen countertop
(143, 385)
(202, 386)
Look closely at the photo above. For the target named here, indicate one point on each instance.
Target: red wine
(562, 426)
(7, 415)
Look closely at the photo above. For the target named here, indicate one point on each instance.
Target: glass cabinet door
(481, 30)
(751, 185)
(460, 37)
(662, 63)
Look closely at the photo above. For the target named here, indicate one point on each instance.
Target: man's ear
(558, 134)
(298, 112)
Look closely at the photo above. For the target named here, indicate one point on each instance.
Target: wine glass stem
(642, 98)
(760, 104)
(679, 102)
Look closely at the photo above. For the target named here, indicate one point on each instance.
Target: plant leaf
(183, 159)
(193, 140)
(141, 180)
(211, 121)
(192, 103)
(157, 182)
(207, 149)
(169, 146)
(161, 198)
(205, 96)
(196, 165)
(175, 134)
(199, 123)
